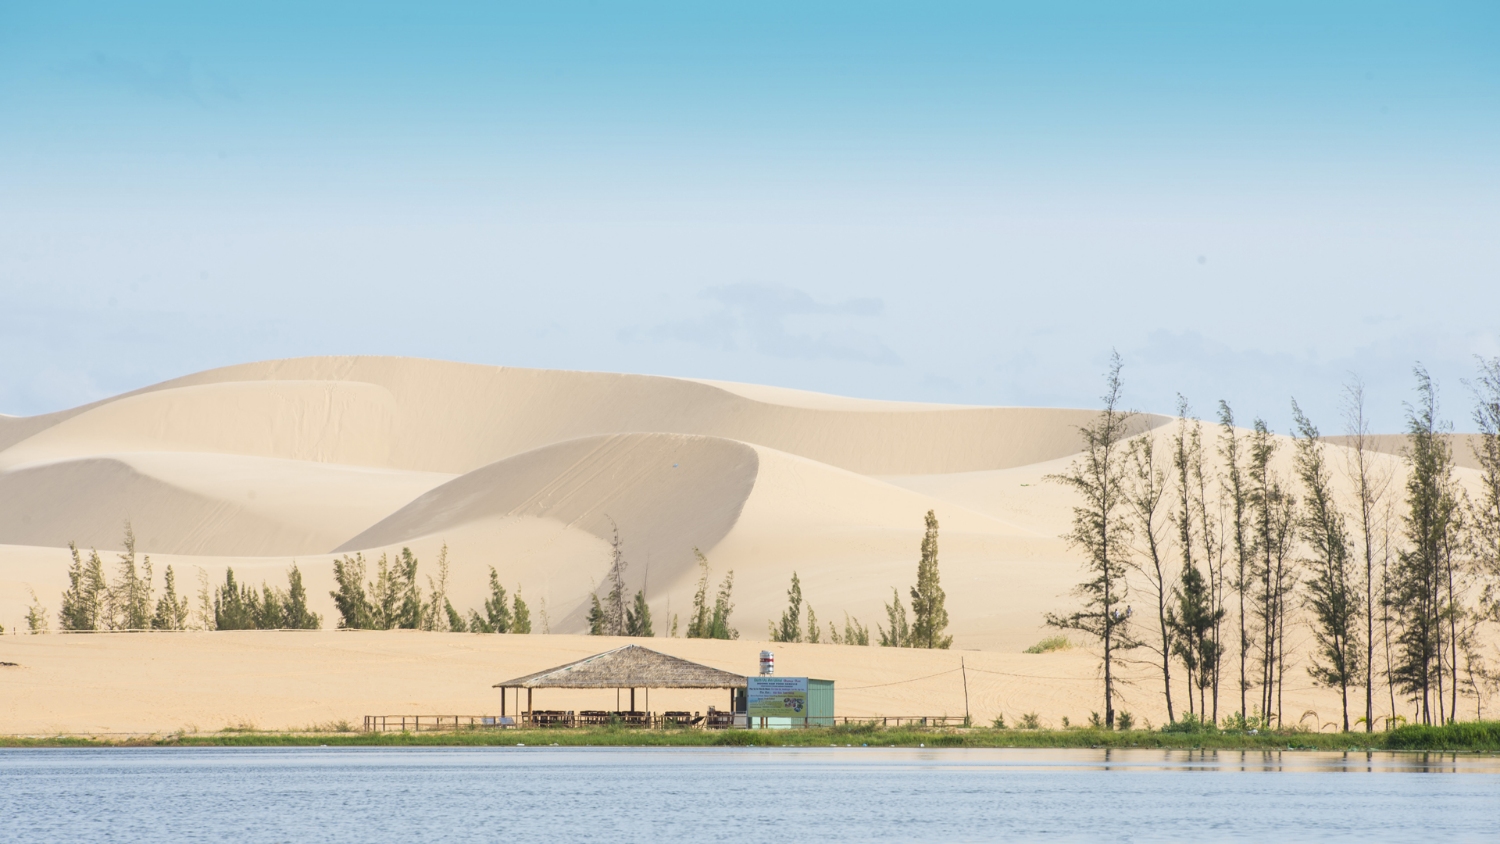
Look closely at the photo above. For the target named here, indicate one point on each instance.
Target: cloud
(756, 316)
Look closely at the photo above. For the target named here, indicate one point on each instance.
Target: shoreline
(1469, 737)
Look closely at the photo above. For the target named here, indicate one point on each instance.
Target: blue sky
(951, 202)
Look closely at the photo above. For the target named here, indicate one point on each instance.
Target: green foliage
(1193, 621)
(928, 610)
(1190, 723)
(1050, 644)
(128, 599)
(437, 612)
(711, 622)
(355, 612)
(1460, 735)
(521, 619)
(814, 634)
(83, 601)
(1238, 722)
(1031, 721)
(1102, 530)
(171, 611)
(638, 617)
(899, 634)
(1331, 593)
(1273, 522)
(295, 614)
(497, 611)
(790, 629)
(36, 615)
(455, 621)
(596, 617)
(614, 601)
(998, 723)
(1125, 721)
(235, 605)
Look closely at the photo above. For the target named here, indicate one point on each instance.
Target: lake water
(727, 794)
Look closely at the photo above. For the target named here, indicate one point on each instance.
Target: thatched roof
(631, 666)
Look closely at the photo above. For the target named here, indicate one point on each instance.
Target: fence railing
(646, 720)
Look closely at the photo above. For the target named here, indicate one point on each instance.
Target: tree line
(1231, 552)
(395, 599)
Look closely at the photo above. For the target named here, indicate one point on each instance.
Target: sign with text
(777, 697)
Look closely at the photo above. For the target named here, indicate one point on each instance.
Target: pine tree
(1331, 590)
(899, 633)
(1102, 531)
(235, 605)
(1432, 523)
(790, 628)
(355, 611)
(854, 632)
(638, 617)
(434, 612)
(455, 621)
(614, 602)
(1484, 513)
(129, 597)
(497, 612)
(929, 615)
(701, 621)
(1236, 489)
(36, 615)
(596, 617)
(1192, 621)
(1370, 485)
(270, 612)
(814, 635)
(1147, 489)
(295, 614)
(171, 612)
(1273, 516)
(718, 627)
(521, 620)
(83, 602)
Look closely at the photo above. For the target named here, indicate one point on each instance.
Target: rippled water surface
(838, 794)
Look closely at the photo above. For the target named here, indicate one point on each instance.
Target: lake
(708, 794)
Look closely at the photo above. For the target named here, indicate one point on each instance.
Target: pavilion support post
(632, 698)
(528, 706)
(502, 701)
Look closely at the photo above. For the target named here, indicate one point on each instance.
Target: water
(728, 794)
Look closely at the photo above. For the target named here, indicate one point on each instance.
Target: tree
(355, 611)
(899, 634)
(171, 611)
(854, 632)
(497, 616)
(36, 615)
(1192, 621)
(814, 634)
(397, 596)
(929, 616)
(702, 617)
(1236, 487)
(614, 602)
(1101, 530)
(1422, 568)
(83, 601)
(521, 618)
(1147, 488)
(295, 614)
(235, 605)
(1273, 520)
(129, 597)
(638, 617)
(1484, 514)
(790, 629)
(437, 611)
(708, 622)
(596, 617)
(1370, 484)
(1331, 591)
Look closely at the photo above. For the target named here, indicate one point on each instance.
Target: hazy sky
(932, 201)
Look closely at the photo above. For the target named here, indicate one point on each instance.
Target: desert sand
(262, 465)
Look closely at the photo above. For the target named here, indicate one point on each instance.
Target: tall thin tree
(1147, 489)
(1237, 494)
(1101, 530)
(928, 610)
(1370, 481)
(1331, 591)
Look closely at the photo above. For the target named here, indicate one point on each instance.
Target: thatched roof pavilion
(628, 667)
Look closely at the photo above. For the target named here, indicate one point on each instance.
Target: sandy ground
(203, 682)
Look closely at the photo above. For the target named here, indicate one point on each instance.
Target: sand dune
(529, 472)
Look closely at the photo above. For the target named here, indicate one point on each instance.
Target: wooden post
(967, 721)
(632, 698)
(502, 701)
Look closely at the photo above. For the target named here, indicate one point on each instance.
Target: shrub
(1125, 721)
(999, 722)
(1050, 644)
(1031, 721)
(1189, 723)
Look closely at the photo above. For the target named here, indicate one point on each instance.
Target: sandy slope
(528, 472)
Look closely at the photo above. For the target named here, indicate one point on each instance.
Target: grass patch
(1470, 737)
(1050, 644)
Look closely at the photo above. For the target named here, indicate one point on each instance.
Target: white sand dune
(529, 472)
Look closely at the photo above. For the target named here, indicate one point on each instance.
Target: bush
(1125, 721)
(1031, 721)
(1190, 723)
(1050, 644)
(999, 722)
(1464, 735)
(744, 738)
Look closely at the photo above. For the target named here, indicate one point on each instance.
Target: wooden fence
(567, 719)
